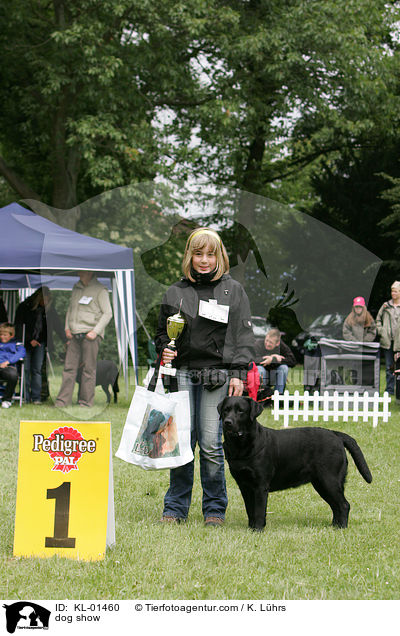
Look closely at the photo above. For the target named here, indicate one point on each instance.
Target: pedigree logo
(65, 446)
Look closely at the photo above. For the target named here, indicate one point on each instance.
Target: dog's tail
(357, 455)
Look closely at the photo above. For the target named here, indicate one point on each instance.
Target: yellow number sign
(65, 500)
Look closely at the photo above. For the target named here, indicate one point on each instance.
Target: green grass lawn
(298, 556)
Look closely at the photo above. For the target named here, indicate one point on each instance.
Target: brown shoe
(213, 521)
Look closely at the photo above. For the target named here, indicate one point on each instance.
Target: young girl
(212, 357)
(359, 325)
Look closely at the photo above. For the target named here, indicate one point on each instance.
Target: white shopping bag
(156, 434)
(147, 380)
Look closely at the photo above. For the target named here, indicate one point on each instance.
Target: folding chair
(20, 397)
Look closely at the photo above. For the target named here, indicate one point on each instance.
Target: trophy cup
(175, 326)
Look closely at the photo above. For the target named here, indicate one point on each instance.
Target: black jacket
(282, 349)
(3, 311)
(206, 343)
(39, 324)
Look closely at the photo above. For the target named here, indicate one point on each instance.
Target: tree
(349, 193)
(81, 84)
(84, 84)
(281, 63)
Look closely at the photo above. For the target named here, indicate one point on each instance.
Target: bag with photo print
(156, 434)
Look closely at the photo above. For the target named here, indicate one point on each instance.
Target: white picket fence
(312, 406)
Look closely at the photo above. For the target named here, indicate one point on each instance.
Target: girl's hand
(236, 387)
(168, 355)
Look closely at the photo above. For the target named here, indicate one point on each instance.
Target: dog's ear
(220, 405)
(255, 408)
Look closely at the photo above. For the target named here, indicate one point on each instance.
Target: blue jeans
(206, 430)
(389, 364)
(274, 377)
(33, 372)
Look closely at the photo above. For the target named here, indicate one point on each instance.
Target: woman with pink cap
(359, 325)
(388, 325)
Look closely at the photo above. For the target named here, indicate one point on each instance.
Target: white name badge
(212, 311)
(85, 300)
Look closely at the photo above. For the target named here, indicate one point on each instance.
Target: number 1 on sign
(61, 517)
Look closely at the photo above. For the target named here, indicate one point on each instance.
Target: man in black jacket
(3, 311)
(273, 359)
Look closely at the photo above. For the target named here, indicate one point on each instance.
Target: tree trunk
(65, 160)
(251, 182)
(16, 182)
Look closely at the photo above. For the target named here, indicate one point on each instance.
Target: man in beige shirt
(88, 314)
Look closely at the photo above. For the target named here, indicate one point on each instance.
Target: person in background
(212, 358)
(273, 359)
(37, 317)
(11, 352)
(88, 314)
(359, 326)
(3, 311)
(388, 327)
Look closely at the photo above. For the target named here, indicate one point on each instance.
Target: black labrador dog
(264, 460)
(106, 375)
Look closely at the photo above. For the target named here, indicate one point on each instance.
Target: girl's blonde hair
(198, 240)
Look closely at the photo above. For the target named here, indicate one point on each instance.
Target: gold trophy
(175, 326)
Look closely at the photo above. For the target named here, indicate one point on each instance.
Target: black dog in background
(106, 375)
(264, 460)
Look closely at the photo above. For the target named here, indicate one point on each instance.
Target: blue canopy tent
(37, 252)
